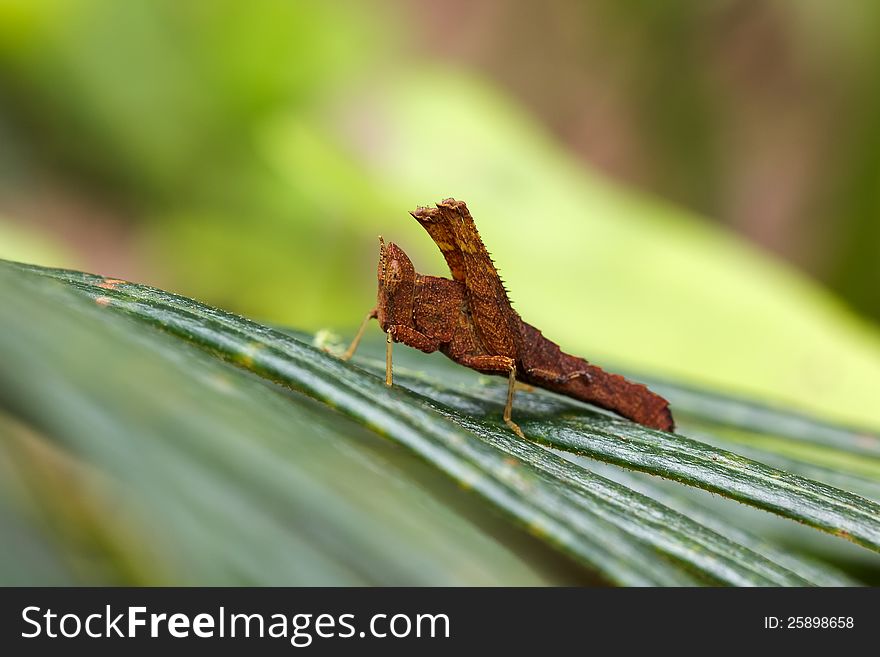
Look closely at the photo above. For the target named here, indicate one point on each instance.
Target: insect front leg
(410, 337)
(357, 338)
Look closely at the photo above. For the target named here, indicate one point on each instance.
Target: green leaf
(627, 536)
(724, 410)
(720, 471)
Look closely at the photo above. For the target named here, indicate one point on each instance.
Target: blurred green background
(689, 189)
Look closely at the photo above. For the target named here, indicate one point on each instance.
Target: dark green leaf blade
(252, 347)
(731, 411)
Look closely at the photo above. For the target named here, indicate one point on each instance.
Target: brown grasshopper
(469, 318)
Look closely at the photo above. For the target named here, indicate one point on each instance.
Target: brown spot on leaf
(110, 283)
(102, 301)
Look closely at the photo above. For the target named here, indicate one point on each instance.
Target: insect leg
(486, 363)
(413, 338)
(410, 337)
(357, 338)
(508, 408)
(389, 344)
(557, 377)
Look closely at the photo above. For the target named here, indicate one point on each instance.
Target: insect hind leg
(498, 364)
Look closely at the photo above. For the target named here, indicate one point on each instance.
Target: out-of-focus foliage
(164, 106)
(31, 246)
